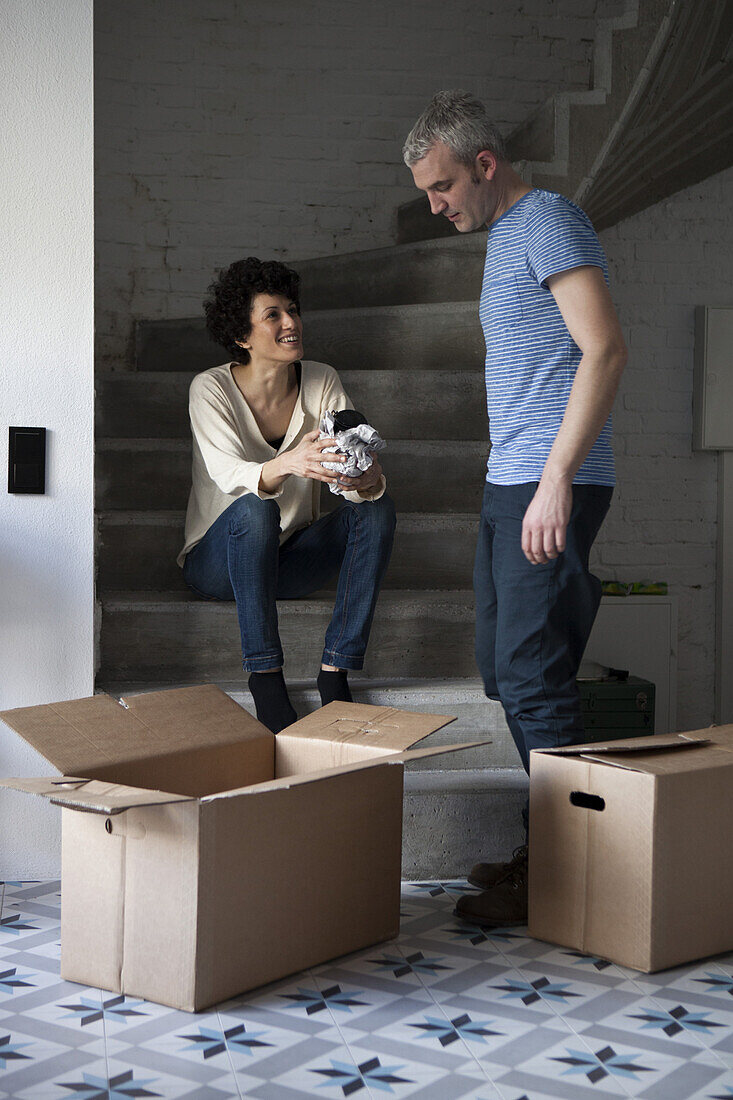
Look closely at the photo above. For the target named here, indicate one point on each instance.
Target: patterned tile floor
(443, 1012)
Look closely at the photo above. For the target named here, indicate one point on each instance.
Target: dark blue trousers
(239, 558)
(533, 621)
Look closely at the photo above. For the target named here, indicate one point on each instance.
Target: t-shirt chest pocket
(502, 302)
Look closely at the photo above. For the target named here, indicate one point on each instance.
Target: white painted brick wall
(241, 126)
(662, 525)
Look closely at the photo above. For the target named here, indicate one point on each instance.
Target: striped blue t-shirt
(531, 358)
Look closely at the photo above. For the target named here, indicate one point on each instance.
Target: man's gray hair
(459, 121)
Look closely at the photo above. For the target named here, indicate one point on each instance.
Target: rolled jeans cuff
(341, 660)
(263, 664)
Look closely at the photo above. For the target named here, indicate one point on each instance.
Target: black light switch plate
(27, 460)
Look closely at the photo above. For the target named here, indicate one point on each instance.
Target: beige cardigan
(229, 450)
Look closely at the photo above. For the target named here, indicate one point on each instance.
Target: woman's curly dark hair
(229, 307)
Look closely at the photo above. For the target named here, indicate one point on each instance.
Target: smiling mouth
(289, 340)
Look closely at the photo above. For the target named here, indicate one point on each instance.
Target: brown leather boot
(504, 904)
(485, 875)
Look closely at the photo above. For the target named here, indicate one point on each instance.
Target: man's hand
(365, 481)
(546, 520)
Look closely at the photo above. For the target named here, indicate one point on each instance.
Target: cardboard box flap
(636, 745)
(654, 755)
(195, 717)
(384, 728)
(435, 750)
(328, 773)
(91, 795)
(82, 735)
(722, 736)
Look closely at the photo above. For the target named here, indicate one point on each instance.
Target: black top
(277, 443)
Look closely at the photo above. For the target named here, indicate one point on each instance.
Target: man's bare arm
(585, 303)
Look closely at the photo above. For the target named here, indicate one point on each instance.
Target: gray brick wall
(242, 126)
(662, 525)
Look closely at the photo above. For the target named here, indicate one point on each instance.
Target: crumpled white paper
(360, 444)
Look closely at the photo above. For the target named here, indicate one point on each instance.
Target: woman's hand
(305, 459)
(365, 481)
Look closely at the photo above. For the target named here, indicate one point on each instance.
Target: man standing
(554, 357)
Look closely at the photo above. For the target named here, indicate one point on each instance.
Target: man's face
(463, 194)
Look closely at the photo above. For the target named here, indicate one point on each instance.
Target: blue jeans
(533, 621)
(239, 558)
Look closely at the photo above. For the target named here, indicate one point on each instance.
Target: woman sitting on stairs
(253, 532)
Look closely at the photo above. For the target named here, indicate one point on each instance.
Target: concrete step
(416, 404)
(434, 336)
(426, 271)
(166, 637)
(423, 475)
(137, 551)
(453, 819)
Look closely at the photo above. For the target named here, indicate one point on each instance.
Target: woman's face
(276, 335)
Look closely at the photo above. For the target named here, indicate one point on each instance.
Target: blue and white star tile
(562, 964)
(37, 1078)
(379, 1009)
(170, 1078)
(685, 978)
(507, 1028)
(683, 1024)
(539, 994)
(200, 1040)
(399, 968)
(702, 990)
(402, 1044)
(489, 940)
(298, 1003)
(615, 1071)
(565, 969)
(517, 1049)
(339, 999)
(356, 1071)
(715, 980)
(79, 1008)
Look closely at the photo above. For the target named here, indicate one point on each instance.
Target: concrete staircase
(401, 327)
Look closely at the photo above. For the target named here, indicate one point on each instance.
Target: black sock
(334, 686)
(270, 694)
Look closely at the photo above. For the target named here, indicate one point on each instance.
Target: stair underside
(658, 119)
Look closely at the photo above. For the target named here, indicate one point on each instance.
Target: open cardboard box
(630, 848)
(203, 856)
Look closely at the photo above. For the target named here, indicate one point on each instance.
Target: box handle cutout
(108, 825)
(587, 801)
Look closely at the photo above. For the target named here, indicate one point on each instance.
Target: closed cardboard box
(630, 848)
(203, 856)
